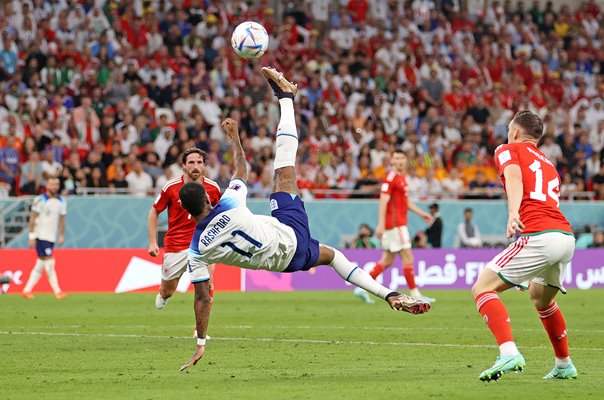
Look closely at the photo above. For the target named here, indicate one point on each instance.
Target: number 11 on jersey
(245, 236)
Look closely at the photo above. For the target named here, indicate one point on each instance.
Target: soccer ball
(249, 40)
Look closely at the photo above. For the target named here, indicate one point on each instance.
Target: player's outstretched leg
(286, 141)
(357, 276)
(282, 88)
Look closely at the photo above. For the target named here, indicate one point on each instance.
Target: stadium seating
(85, 88)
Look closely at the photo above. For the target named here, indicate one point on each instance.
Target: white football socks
(508, 349)
(36, 273)
(357, 276)
(287, 136)
(563, 362)
(49, 265)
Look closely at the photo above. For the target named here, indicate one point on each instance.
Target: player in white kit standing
(231, 234)
(46, 220)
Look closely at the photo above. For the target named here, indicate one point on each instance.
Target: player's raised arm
(232, 130)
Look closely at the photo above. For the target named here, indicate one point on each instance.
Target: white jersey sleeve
(232, 235)
(37, 204)
(236, 192)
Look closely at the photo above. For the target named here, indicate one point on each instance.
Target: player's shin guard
(49, 265)
(409, 276)
(287, 136)
(555, 326)
(357, 276)
(36, 273)
(377, 270)
(497, 318)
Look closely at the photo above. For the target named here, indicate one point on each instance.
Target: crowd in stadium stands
(107, 94)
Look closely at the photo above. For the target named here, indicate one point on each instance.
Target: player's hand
(32, 243)
(427, 218)
(514, 225)
(196, 357)
(379, 232)
(232, 129)
(61, 240)
(153, 249)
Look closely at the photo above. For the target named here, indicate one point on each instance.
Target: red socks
(409, 276)
(555, 326)
(407, 271)
(495, 315)
(377, 270)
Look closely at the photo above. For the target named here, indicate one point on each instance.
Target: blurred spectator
(95, 179)
(50, 167)
(139, 182)
(31, 175)
(119, 181)
(434, 231)
(468, 233)
(551, 149)
(480, 187)
(439, 79)
(453, 184)
(364, 238)
(598, 240)
(9, 161)
(598, 183)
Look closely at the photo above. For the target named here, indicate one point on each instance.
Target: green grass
(318, 345)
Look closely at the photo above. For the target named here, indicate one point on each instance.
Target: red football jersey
(180, 224)
(396, 212)
(540, 206)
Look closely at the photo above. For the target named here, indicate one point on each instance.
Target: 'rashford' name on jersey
(232, 235)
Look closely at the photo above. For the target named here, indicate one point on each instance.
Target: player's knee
(476, 290)
(165, 293)
(539, 302)
(203, 297)
(387, 261)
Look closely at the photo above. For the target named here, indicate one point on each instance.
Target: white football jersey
(49, 210)
(232, 235)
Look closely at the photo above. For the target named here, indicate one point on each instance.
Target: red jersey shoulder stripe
(172, 182)
(211, 182)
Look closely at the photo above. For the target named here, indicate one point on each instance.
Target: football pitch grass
(303, 345)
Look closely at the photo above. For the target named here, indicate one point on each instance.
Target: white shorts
(175, 264)
(541, 259)
(396, 239)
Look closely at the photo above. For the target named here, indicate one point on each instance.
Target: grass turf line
(284, 345)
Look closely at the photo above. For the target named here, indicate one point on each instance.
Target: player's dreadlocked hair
(192, 196)
(530, 123)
